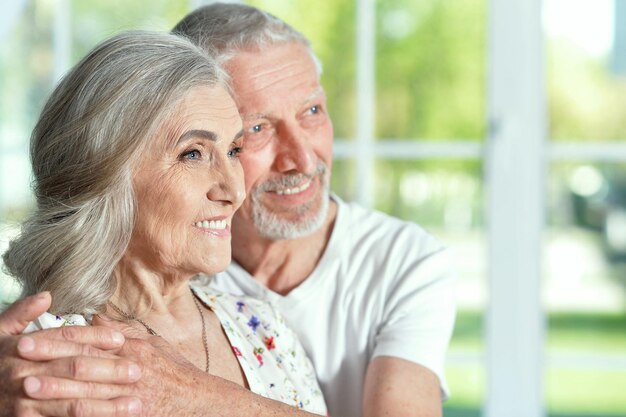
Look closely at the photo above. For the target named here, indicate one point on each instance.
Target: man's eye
(193, 154)
(256, 128)
(314, 109)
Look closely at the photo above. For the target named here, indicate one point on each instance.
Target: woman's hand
(43, 372)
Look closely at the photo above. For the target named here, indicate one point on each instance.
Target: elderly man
(370, 296)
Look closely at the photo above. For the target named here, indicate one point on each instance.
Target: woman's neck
(141, 291)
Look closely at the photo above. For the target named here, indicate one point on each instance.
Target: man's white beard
(271, 226)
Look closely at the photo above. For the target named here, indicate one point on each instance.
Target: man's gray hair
(227, 28)
(84, 149)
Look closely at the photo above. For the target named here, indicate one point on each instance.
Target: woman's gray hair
(87, 141)
(227, 28)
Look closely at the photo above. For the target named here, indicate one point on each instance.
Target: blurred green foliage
(586, 101)
(430, 69)
(25, 73)
(94, 20)
(438, 193)
(569, 392)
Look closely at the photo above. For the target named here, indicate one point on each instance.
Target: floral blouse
(269, 352)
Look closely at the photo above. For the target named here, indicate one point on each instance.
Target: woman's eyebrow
(197, 133)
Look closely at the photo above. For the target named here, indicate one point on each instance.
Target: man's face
(288, 141)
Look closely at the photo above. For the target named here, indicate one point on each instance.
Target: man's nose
(294, 150)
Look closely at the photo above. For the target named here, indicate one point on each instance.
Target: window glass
(25, 78)
(342, 179)
(465, 370)
(585, 288)
(430, 69)
(445, 194)
(586, 54)
(95, 20)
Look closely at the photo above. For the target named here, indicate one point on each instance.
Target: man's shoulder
(361, 222)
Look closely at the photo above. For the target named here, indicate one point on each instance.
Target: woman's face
(188, 184)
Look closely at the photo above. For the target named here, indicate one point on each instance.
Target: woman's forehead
(202, 108)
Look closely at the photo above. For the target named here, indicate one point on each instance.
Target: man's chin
(290, 224)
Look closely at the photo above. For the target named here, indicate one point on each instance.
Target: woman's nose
(230, 187)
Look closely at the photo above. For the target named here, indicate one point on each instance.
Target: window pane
(467, 386)
(25, 78)
(25, 69)
(343, 180)
(331, 30)
(430, 69)
(585, 289)
(443, 194)
(94, 20)
(586, 56)
(585, 393)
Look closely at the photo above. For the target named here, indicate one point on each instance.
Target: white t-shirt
(269, 353)
(383, 287)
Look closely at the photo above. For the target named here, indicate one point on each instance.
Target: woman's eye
(192, 155)
(234, 152)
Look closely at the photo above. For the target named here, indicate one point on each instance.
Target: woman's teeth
(211, 224)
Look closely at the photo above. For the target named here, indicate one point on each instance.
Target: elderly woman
(137, 177)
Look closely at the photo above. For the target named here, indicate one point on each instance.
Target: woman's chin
(216, 266)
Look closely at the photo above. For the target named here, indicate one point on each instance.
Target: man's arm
(397, 387)
(406, 376)
(169, 385)
(82, 353)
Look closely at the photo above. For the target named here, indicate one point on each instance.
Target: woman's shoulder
(238, 302)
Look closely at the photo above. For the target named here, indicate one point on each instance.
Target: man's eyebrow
(197, 133)
(252, 116)
(316, 93)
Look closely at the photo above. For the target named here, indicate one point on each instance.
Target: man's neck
(282, 265)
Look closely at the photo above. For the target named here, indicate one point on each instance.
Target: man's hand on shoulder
(41, 372)
(400, 388)
(172, 386)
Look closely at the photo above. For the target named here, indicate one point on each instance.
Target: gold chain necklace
(154, 333)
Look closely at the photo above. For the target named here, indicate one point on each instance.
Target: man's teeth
(288, 191)
(211, 224)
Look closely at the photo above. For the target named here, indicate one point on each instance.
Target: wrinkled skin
(81, 353)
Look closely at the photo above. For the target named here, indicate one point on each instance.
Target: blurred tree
(430, 69)
(26, 69)
(94, 20)
(586, 101)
